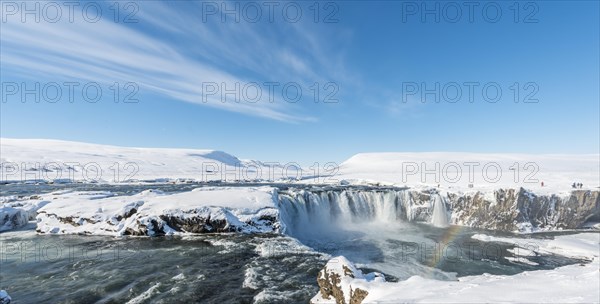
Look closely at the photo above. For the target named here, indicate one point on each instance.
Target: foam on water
(145, 295)
(372, 228)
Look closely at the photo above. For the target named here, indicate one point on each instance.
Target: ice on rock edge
(341, 282)
(4, 297)
(568, 284)
(297, 211)
(15, 213)
(208, 209)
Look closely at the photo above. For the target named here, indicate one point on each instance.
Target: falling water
(440, 215)
(307, 211)
(321, 210)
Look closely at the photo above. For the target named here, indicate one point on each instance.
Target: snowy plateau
(515, 194)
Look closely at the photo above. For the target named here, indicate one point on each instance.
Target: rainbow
(446, 240)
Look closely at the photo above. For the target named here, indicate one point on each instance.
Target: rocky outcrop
(337, 282)
(16, 212)
(4, 297)
(200, 220)
(294, 210)
(522, 210)
(502, 209)
(197, 224)
(478, 210)
(156, 213)
(11, 218)
(554, 212)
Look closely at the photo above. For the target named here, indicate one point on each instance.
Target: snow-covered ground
(32, 159)
(255, 209)
(29, 160)
(151, 212)
(568, 284)
(26, 160)
(454, 171)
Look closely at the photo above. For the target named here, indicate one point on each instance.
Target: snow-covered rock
(16, 212)
(523, 211)
(576, 283)
(335, 282)
(268, 209)
(4, 297)
(504, 210)
(11, 218)
(152, 213)
(466, 182)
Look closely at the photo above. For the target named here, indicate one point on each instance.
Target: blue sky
(368, 56)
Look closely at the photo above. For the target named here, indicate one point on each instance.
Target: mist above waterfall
(440, 214)
(304, 211)
(367, 226)
(400, 232)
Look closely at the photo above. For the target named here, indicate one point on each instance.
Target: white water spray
(317, 211)
(440, 214)
(306, 212)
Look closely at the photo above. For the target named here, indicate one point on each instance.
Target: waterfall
(314, 211)
(302, 210)
(440, 214)
(322, 208)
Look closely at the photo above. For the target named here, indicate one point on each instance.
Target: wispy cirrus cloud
(171, 51)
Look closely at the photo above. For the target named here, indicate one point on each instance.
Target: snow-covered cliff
(293, 210)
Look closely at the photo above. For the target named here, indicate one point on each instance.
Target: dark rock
(330, 278)
(197, 224)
